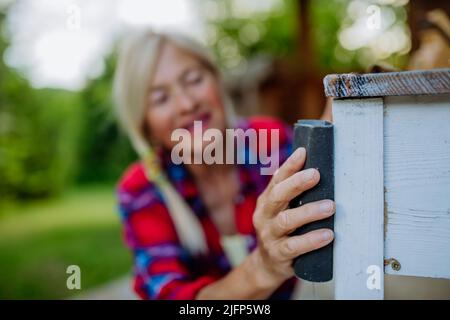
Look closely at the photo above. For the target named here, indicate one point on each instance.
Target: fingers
(292, 165)
(289, 220)
(292, 247)
(287, 183)
(294, 185)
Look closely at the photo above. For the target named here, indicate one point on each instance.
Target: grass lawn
(39, 240)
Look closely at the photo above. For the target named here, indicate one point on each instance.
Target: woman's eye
(194, 77)
(158, 98)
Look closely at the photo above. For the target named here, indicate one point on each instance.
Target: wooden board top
(420, 82)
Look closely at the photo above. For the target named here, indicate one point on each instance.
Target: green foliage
(237, 35)
(37, 142)
(39, 240)
(326, 20)
(329, 18)
(38, 132)
(50, 138)
(105, 149)
(235, 38)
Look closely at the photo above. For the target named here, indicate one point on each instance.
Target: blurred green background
(61, 151)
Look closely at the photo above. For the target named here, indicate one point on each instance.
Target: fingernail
(298, 153)
(308, 175)
(326, 235)
(326, 206)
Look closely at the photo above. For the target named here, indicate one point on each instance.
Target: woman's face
(182, 91)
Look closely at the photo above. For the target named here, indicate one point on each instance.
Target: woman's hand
(274, 222)
(270, 264)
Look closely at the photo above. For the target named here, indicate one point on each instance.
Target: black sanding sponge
(316, 136)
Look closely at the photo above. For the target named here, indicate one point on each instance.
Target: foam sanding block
(316, 136)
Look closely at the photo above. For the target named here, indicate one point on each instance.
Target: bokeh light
(377, 28)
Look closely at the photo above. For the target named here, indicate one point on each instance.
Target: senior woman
(179, 219)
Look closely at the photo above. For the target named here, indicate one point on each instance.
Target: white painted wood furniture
(392, 178)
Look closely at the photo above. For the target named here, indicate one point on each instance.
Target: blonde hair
(136, 64)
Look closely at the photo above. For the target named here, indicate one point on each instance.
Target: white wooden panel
(417, 184)
(358, 188)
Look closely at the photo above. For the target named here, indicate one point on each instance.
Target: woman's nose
(184, 101)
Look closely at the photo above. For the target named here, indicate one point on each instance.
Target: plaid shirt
(163, 269)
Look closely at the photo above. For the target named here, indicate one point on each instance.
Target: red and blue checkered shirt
(163, 268)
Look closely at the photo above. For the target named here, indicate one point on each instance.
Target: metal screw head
(395, 265)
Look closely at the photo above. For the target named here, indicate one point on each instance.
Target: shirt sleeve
(161, 270)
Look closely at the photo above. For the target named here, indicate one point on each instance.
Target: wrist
(260, 274)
